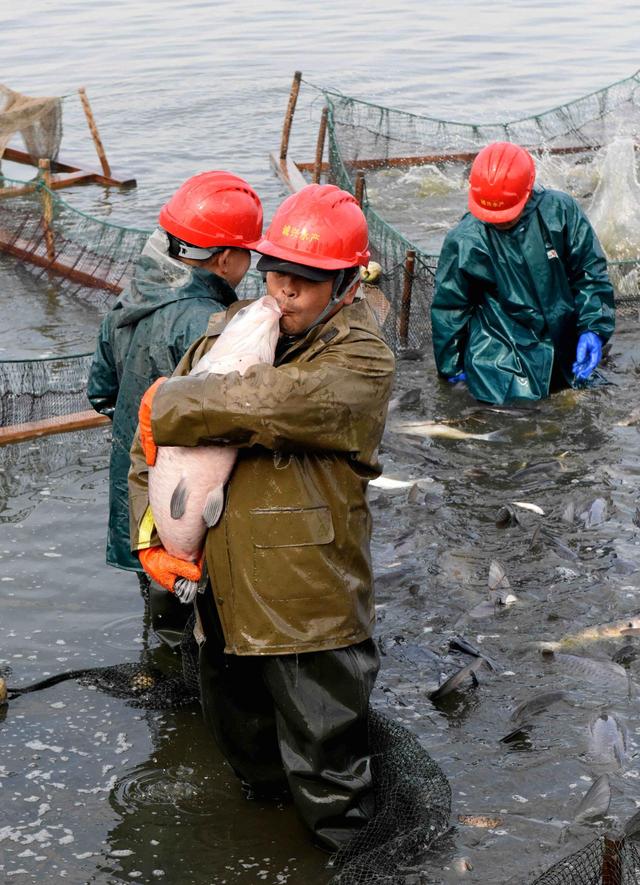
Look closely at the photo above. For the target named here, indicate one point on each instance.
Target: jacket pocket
(293, 553)
(291, 527)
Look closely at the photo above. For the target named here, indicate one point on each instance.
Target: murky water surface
(97, 790)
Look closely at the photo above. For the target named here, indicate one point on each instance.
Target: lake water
(94, 790)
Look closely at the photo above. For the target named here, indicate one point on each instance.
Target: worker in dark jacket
(188, 270)
(523, 302)
(287, 662)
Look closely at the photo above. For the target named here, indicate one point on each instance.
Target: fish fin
(179, 500)
(519, 733)
(213, 506)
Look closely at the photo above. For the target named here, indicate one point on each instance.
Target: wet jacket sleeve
(586, 268)
(103, 385)
(336, 402)
(451, 309)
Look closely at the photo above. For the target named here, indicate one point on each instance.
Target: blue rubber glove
(588, 355)
(461, 376)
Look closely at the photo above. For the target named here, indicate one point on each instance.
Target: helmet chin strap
(341, 285)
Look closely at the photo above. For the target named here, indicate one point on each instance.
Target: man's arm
(336, 402)
(103, 385)
(450, 310)
(588, 277)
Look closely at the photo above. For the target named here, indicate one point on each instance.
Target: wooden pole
(405, 307)
(288, 120)
(14, 433)
(359, 188)
(611, 860)
(322, 132)
(93, 129)
(47, 208)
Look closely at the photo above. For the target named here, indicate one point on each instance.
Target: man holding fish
(523, 304)
(287, 662)
(188, 269)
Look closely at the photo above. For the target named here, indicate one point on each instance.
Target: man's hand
(176, 575)
(149, 447)
(454, 379)
(588, 355)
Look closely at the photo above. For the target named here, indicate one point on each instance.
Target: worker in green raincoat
(523, 303)
(287, 660)
(188, 269)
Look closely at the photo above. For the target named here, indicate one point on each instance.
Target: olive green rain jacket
(289, 560)
(509, 305)
(145, 335)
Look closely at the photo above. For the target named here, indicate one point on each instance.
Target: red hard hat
(320, 226)
(500, 182)
(214, 209)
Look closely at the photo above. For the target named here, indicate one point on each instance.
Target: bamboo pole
(288, 119)
(611, 860)
(47, 208)
(93, 129)
(322, 132)
(405, 306)
(359, 188)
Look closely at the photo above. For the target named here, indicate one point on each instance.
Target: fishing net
(414, 187)
(38, 120)
(141, 684)
(604, 861)
(413, 804)
(87, 257)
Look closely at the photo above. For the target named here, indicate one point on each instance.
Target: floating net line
(419, 163)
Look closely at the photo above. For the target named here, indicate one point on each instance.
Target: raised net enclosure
(411, 173)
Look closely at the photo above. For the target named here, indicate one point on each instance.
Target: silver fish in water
(442, 431)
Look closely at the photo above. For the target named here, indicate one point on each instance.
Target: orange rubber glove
(149, 447)
(166, 569)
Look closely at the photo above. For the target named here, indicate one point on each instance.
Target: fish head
(632, 626)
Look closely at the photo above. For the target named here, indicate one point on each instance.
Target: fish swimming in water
(406, 400)
(442, 431)
(608, 741)
(489, 822)
(458, 680)
(499, 585)
(186, 484)
(595, 802)
(524, 712)
(388, 484)
(613, 630)
(597, 672)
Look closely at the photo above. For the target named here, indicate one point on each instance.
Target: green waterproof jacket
(509, 305)
(166, 307)
(289, 560)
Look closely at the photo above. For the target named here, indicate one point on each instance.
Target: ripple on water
(180, 787)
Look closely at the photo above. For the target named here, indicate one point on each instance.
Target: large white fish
(186, 484)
